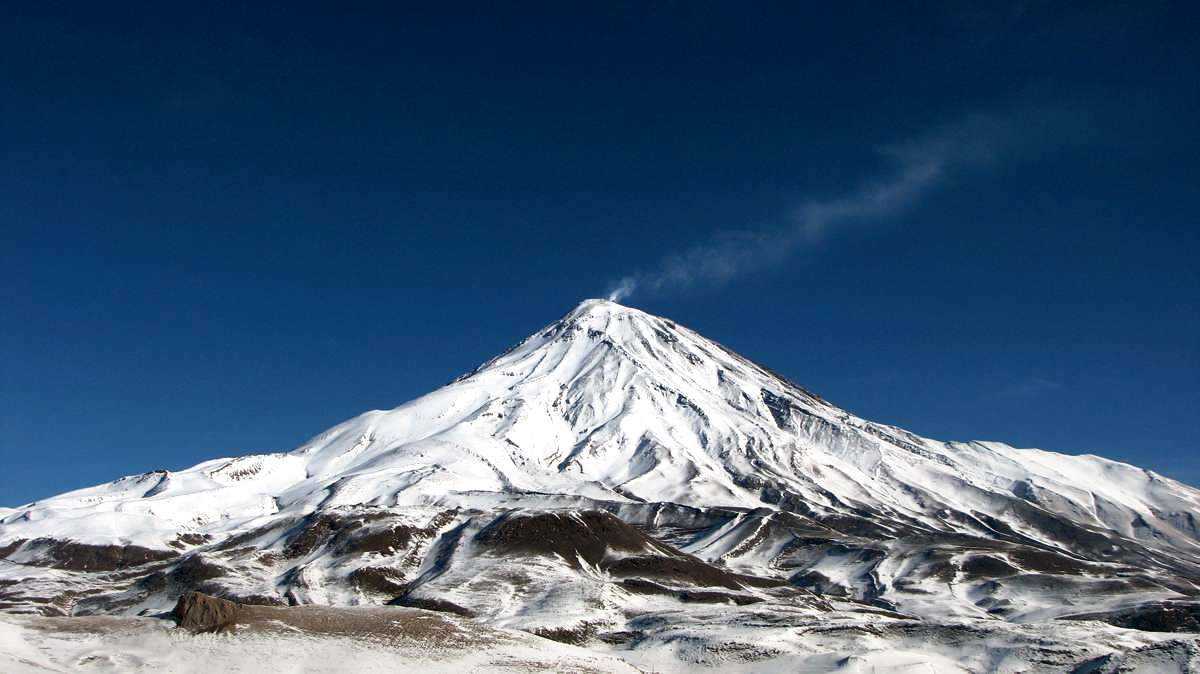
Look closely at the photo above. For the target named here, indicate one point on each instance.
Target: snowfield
(148, 645)
(618, 483)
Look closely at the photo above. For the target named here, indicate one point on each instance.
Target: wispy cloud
(918, 167)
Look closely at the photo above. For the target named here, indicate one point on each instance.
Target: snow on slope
(612, 403)
(611, 409)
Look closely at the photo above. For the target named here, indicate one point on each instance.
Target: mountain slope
(741, 484)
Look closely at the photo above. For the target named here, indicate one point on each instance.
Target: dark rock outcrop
(379, 580)
(197, 612)
(72, 556)
(1159, 616)
(431, 604)
(586, 536)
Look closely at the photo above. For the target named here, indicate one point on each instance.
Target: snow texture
(742, 483)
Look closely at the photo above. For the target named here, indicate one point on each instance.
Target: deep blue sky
(225, 230)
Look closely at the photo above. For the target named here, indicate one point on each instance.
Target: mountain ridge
(744, 489)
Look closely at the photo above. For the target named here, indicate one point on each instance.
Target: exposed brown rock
(678, 569)
(384, 540)
(315, 531)
(439, 605)
(987, 566)
(641, 586)
(576, 635)
(8, 549)
(73, 556)
(195, 569)
(573, 536)
(191, 573)
(1157, 616)
(381, 580)
(247, 600)
(684, 569)
(349, 534)
(198, 612)
(588, 537)
(184, 540)
(1046, 561)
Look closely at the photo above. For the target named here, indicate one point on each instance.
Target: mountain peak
(595, 301)
(597, 305)
(596, 316)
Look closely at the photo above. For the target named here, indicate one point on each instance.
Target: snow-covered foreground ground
(326, 639)
(437, 643)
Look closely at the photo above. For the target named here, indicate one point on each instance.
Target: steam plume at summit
(919, 166)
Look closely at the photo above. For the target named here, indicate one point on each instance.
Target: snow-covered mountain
(601, 474)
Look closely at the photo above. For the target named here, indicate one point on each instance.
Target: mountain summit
(630, 457)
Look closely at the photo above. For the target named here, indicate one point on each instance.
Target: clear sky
(222, 231)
